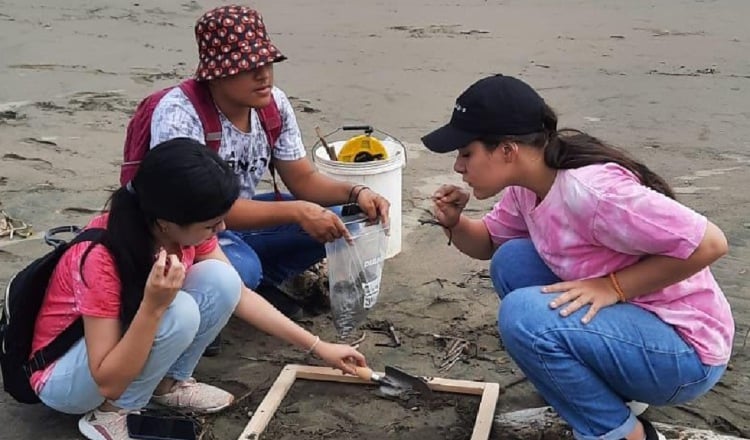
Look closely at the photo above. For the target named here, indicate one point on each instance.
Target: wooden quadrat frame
(482, 426)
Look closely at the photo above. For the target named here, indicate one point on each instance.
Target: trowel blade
(400, 379)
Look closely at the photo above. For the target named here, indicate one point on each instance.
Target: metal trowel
(396, 383)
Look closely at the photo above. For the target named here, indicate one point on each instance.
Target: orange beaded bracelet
(620, 294)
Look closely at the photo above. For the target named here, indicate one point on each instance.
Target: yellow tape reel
(362, 148)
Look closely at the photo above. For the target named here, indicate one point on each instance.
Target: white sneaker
(101, 425)
(195, 397)
(637, 408)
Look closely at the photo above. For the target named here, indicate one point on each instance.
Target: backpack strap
(270, 119)
(55, 349)
(200, 97)
(65, 340)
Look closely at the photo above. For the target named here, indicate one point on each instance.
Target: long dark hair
(180, 181)
(569, 148)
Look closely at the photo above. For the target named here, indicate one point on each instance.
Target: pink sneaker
(195, 396)
(100, 425)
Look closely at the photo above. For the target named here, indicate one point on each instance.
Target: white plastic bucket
(382, 176)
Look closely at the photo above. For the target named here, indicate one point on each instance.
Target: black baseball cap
(497, 105)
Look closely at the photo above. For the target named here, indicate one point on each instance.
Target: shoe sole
(90, 432)
(154, 405)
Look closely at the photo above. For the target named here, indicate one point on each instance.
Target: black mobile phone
(350, 209)
(148, 427)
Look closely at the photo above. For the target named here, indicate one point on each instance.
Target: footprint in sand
(432, 30)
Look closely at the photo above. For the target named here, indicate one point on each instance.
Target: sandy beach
(667, 80)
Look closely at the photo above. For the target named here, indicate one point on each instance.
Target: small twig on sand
(389, 330)
(515, 382)
(455, 351)
(283, 360)
(356, 343)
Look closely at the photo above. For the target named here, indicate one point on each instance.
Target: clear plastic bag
(354, 273)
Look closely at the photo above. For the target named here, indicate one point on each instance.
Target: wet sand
(669, 81)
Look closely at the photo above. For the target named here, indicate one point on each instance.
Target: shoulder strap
(270, 119)
(65, 340)
(200, 97)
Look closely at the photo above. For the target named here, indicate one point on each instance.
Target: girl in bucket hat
(268, 241)
(606, 292)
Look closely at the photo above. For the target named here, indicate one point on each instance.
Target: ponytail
(568, 149)
(128, 239)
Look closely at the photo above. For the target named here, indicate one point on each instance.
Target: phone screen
(350, 209)
(160, 428)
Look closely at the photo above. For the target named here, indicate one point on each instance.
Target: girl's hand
(165, 280)
(450, 201)
(598, 292)
(341, 356)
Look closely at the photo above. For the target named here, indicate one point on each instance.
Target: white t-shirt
(247, 153)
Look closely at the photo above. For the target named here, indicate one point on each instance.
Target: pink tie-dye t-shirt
(69, 298)
(599, 219)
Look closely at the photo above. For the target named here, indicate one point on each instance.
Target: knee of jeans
(180, 322)
(225, 282)
(521, 316)
(505, 256)
(496, 273)
(245, 261)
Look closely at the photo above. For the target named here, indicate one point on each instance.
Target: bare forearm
(125, 362)
(656, 272)
(256, 311)
(323, 190)
(472, 238)
(253, 214)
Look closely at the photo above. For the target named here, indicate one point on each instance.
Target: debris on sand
(11, 227)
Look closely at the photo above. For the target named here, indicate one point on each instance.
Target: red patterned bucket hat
(232, 39)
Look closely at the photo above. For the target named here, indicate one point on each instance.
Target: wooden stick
(326, 374)
(457, 386)
(269, 405)
(486, 412)
(282, 385)
(436, 384)
(331, 152)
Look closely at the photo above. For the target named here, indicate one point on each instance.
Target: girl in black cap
(604, 278)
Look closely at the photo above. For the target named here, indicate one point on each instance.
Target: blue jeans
(198, 313)
(272, 254)
(588, 371)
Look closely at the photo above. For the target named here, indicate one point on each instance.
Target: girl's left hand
(598, 292)
(341, 356)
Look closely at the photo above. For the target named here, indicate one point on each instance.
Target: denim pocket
(691, 390)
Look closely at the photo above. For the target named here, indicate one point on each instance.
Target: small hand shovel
(396, 383)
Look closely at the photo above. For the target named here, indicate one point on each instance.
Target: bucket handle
(368, 129)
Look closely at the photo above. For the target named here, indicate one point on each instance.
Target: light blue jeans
(198, 313)
(588, 371)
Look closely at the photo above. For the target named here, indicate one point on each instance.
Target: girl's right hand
(341, 356)
(164, 281)
(450, 201)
